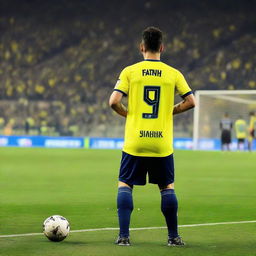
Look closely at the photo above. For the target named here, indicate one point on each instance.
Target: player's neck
(151, 55)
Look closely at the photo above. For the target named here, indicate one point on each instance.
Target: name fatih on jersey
(151, 72)
(151, 134)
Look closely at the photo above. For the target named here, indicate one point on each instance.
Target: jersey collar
(151, 60)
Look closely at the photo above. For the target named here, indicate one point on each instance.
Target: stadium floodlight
(212, 105)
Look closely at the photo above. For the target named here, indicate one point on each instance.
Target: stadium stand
(61, 59)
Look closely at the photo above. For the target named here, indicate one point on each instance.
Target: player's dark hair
(152, 38)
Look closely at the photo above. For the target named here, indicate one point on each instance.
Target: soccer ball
(56, 228)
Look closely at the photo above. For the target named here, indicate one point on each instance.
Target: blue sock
(169, 207)
(125, 207)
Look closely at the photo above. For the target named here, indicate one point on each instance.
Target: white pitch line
(144, 228)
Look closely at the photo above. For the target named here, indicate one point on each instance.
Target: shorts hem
(163, 184)
(133, 183)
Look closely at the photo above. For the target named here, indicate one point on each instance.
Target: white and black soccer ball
(56, 228)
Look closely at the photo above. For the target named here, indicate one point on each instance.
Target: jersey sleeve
(122, 84)
(181, 86)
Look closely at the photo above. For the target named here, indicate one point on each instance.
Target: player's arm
(115, 102)
(186, 93)
(188, 103)
(121, 89)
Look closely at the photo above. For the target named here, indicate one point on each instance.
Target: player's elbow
(113, 102)
(115, 99)
(191, 102)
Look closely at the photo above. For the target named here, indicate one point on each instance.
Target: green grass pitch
(82, 184)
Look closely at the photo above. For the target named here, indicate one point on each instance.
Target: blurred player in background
(150, 86)
(252, 129)
(241, 132)
(226, 125)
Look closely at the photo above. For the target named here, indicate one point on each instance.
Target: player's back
(240, 128)
(150, 86)
(226, 124)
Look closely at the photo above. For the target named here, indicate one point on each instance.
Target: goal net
(210, 109)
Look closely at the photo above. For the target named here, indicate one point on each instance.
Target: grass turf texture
(81, 185)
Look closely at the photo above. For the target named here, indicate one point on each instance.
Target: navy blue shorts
(134, 169)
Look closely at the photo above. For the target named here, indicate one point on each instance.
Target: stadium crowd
(60, 60)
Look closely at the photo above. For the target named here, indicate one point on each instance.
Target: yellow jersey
(150, 86)
(252, 125)
(241, 129)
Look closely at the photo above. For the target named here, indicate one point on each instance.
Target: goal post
(211, 105)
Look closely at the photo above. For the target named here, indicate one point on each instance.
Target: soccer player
(241, 132)
(226, 125)
(252, 130)
(148, 148)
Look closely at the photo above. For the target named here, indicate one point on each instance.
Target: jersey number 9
(152, 102)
